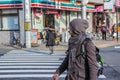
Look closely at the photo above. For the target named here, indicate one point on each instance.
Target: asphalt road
(112, 62)
(111, 67)
(4, 51)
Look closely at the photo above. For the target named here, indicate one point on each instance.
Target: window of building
(10, 23)
(9, 19)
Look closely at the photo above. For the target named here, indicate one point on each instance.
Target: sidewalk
(64, 46)
(105, 43)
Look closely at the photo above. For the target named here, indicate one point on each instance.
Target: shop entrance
(49, 20)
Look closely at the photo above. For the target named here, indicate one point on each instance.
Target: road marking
(117, 47)
(30, 61)
(23, 59)
(1, 64)
(18, 63)
(19, 71)
(28, 75)
(28, 67)
(7, 56)
(102, 76)
(16, 71)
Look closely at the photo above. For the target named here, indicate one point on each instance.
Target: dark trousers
(104, 35)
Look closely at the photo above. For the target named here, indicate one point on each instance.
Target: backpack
(103, 29)
(98, 58)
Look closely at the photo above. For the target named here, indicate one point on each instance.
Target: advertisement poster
(34, 38)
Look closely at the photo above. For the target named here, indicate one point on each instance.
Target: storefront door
(49, 20)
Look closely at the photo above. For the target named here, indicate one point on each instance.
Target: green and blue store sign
(45, 4)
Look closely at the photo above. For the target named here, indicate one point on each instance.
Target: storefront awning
(101, 9)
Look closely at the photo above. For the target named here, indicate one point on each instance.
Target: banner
(108, 4)
(38, 12)
(118, 3)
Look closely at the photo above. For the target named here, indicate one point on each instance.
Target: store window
(9, 19)
(49, 20)
(10, 23)
(73, 15)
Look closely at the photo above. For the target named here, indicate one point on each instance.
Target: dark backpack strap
(84, 54)
(87, 69)
(83, 48)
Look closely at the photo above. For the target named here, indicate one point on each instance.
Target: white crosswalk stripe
(20, 64)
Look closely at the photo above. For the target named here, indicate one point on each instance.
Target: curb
(64, 47)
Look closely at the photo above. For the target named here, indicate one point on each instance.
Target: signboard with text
(108, 4)
(34, 34)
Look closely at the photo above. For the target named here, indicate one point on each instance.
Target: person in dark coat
(50, 37)
(76, 66)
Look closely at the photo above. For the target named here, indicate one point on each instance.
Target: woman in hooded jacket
(76, 66)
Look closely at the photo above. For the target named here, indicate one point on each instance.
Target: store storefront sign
(64, 5)
(118, 3)
(11, 4)
(99, 9)
(108, 4)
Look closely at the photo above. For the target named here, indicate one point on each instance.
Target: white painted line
(38, 59)
(32, 56)
(117, 47)
(24, 71)
(25, 54)
(1, 64)
(50, 61)
(16, 71)
(28, 75)
(102, 76)
(4, 57)
(28, 67)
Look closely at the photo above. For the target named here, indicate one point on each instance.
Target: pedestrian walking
(74, 64)
(112, 29)
(103, 30)
(50, 37)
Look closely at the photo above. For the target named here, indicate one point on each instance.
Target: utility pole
(27, 23)
(116, 9)
(84, 8)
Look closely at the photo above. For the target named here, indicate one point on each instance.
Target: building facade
(43, 13)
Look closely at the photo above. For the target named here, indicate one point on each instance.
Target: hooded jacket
(76, 66)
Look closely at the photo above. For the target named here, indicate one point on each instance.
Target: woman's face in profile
(70, 31)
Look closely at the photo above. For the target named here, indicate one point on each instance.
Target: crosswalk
(33, 65)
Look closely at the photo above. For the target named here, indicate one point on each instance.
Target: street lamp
(84, 8)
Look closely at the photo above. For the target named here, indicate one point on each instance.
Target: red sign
(99, 9)
(37, 12)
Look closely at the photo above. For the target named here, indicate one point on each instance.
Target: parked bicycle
(95, 36)
(17, 43)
